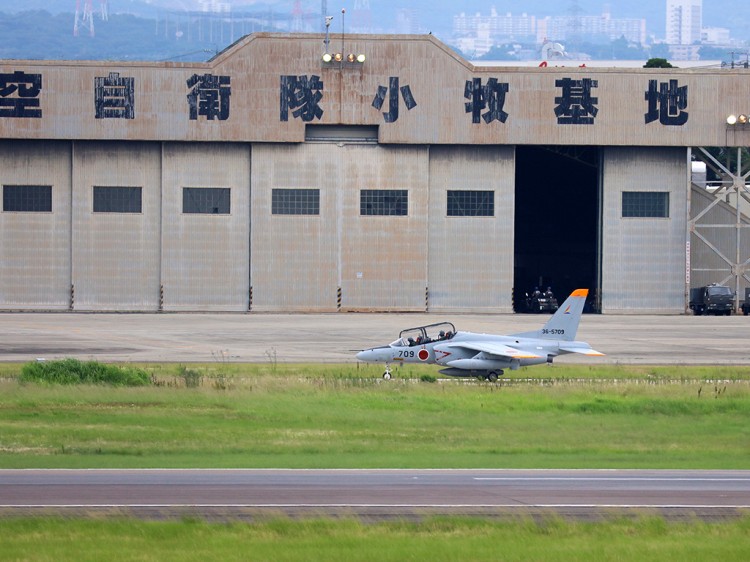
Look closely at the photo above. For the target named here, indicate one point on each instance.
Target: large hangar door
(557, 221)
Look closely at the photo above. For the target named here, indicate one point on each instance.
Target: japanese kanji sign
(667, 104)
(19, 95)
(393, 87)
(576, 105)
(209, 96)
(491, 97)
(301, 95)
(114, 97)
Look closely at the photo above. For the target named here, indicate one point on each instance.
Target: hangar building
(270, 179)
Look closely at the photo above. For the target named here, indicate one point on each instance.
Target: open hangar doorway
(557, 222)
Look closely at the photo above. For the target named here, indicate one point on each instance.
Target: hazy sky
(432, 15)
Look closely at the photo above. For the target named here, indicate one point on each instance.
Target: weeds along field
(435, 539)
(346, 416)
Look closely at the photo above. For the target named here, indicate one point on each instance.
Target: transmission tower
(297, 16)
(85, 16)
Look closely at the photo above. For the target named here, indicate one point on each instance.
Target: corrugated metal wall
(644, 259)
(471, 258)
(378, 262)
(35, 247)
(205, 262)
(116, 256)
(384, 258)
(424, 259)
(296, 263)
(295, 258)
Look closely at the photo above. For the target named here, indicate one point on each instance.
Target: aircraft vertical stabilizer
(564, 323)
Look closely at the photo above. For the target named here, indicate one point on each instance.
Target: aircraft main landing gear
(493, 375)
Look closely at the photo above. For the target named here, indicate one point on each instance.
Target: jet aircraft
(468, 354)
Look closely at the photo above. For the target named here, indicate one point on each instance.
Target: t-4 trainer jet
(466, 354)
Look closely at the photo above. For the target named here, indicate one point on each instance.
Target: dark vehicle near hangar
(712, 299)
(745, 307)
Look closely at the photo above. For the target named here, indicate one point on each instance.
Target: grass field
(435, 539)
(333, 416)
(277, 415)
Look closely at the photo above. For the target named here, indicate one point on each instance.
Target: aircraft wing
(497, 349)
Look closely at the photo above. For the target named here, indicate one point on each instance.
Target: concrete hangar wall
(269, 180)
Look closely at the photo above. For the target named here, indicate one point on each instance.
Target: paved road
(390, 492)
(257, 337)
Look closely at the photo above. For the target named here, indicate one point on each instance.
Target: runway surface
(385, 492)
(331, 338)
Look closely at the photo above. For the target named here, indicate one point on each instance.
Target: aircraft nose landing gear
(387, 373)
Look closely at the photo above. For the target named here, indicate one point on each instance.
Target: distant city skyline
(473, 28)
(477, 34)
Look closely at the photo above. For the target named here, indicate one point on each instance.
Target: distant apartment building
(715, 36)
(499, 28)
(684, 22)
(506, 26)
(602, 27)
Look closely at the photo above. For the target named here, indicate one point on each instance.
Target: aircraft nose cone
(362, 355)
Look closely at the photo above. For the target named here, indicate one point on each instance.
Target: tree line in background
(619, 49)
(41, 35)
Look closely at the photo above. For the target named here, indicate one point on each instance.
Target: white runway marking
(599, 479)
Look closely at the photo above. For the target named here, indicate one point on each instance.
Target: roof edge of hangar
(245, 40)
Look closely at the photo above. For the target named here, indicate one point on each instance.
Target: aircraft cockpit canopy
(421, 335)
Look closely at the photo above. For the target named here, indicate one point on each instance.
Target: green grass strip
(328, 417)
(436, 539)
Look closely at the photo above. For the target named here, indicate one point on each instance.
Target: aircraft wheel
(492, 377)
(387, 375)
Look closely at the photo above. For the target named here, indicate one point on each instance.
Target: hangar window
(205, 200)
(341, 133)
(117, 199)
(471, 203)
(295, 202)
(27, 198)
(384, 202)
(651, 204)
